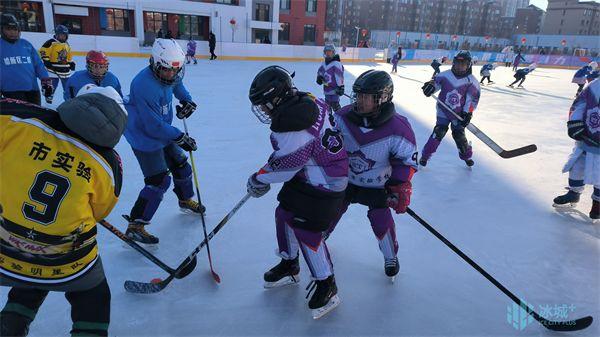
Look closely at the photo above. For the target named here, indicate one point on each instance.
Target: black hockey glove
(186, 142)
(466, 118)
(428, 88)
(72, 65)
(255, 188)
(47, 89)
(576, 130)
(339, 90)
(185, 109)
(320, 80)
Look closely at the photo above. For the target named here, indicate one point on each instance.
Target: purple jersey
(587, 108)
(460, 94)
(314, 155)
(191, 48)
(396, 58)
(376, 155)
(333, 75)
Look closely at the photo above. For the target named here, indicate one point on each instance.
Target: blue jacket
(583, 72)
(20, 66)
(82, 77)
(522, 72)
(593, 75)
(150, 112)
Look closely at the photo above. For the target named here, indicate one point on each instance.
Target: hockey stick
(578, 324)
(184, 272)
(487, 140)
(151, 287)
(215, 276)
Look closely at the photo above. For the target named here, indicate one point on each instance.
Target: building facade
(528, 20)
(572, 17)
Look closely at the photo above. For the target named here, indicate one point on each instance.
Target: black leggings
(484, 77)
(522, 79)
(90, 310)
(32, 96)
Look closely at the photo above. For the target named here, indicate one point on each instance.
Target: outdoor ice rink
(499, 213)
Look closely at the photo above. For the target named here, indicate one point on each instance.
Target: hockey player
(59, 176)
(20, 65)
(96, 73)
(395, 59)
(331, 76)
(58, 59)
(191, 51)
(460, 91)
(581, 75)
(593, 75)
(435, 64)
(521, 74)
(158, 146)
(517, 60)
(583, 164)
(310, 160)
(383, 157)
(486, 72)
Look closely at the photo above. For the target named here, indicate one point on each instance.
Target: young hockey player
(158, 146)
(486, 72)
(57, 57)
(583, 164)
(521, 74)
(59, 176)
(310, 160)
(383, 157)
(191, 51)
(395, 59)
(21, 65)
(331, 76)
(460, 91)
(435, 64)
(96, 73)
(517, 60)
(581, 75)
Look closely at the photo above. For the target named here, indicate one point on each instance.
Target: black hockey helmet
(269, 88)
(9, 21)
(373, 82)
(462, 57)
(61, 30)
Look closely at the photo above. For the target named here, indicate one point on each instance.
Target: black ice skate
(137, 232)
(423, 162)
(392, 267)
(469, 162)
(325, 297)
(285, 273)
(570, 199)
(595, 211)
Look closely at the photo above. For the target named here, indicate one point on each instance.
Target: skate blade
(189, 211)
(564, 206)
(288, 280)
(151, 247)
(392, 279)
(322, 311)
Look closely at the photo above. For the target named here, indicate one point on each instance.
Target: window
(311, 6)
(284, 34)
(28, 14)
(73, 23)
(309, 33)
(284, 5)
(155, 22)
(191, 25)
(226, 2)
(114, 19)
(262, 12)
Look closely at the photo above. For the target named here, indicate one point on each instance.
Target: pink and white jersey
(586, 108)
(376, 155)
(333, 73)
(460, 94)
(315, 155)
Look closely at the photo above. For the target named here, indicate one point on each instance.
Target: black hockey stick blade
(518, 152)
(578, 324)
(147, 287)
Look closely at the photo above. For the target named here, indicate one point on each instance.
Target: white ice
(500, 214)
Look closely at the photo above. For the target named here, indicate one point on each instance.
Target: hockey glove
(72, 65)
(466, 118)
(186, 142)
(255, 188)
(47, 89)
(320, 80)
(185, 109)
(339, 90)
(428, 88)
(398, 195)
(576, 130)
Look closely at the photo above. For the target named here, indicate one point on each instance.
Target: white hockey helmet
(167, 54)
(532, 66)
(594, 65)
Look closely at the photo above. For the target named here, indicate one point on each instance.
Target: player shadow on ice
(580, 220)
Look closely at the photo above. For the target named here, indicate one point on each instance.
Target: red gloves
(399, 196)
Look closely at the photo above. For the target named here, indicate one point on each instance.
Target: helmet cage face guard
(262, 115)
(157, 68)
(97, 70)
(461, 61)
(358, 101)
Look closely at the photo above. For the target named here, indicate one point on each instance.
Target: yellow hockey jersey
(54, 187)
(57, 57)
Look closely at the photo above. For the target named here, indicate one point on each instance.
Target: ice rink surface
(499, 213)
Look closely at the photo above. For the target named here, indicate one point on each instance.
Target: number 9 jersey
(54, 187)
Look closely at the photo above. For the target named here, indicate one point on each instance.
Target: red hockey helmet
(96, 63)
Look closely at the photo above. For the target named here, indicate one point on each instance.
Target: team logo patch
(593, 120)
(332, 141)
(359, 163)
(453, 99)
